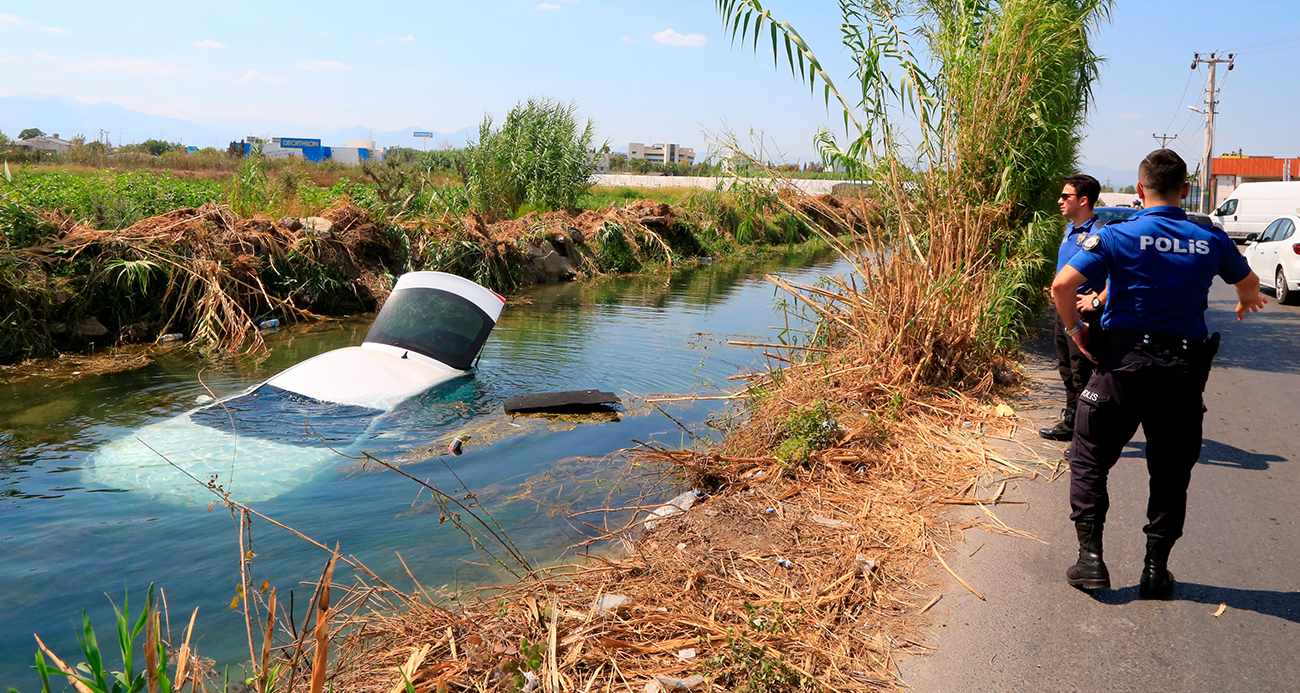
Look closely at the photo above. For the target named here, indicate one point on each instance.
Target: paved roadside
(1241, 548)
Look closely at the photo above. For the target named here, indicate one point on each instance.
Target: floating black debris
(571, 402)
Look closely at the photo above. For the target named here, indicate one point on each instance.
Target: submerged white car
(275, 436)
(1275, 254)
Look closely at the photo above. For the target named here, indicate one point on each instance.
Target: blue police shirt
(1074, 236)
(1161, 266)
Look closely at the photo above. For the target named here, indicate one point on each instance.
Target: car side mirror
(1252, 237)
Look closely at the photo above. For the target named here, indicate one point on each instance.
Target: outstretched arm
(1249, 300)
(1064, 293)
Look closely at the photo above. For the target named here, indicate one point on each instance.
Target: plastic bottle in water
(269, 324)
(172, 337)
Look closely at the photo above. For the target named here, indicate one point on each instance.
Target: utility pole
(1164, 138)
(1213, 61)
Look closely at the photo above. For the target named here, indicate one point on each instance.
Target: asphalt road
(1240, 548)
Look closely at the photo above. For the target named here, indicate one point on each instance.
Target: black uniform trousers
(1149, 380)
(1074, 367)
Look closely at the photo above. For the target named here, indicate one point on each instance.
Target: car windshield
(274, 414)
(433, 322)
(1109, 214)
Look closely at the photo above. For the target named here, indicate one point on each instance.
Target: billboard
(422, 134)
(298, 143)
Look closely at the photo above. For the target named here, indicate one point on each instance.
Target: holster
(1208, 352)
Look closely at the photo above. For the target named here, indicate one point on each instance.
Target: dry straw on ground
(793, 574)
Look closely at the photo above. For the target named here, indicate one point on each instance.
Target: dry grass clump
(787, 577)
(202, 268)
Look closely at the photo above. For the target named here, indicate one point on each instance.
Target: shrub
(808, 429)
(539, 157)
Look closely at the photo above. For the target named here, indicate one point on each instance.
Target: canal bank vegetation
(89, 260)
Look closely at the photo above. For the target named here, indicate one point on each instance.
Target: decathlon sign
(422, 134)
(298, 143)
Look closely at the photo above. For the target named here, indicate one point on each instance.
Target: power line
(1245, 49)
(1180, 103)
(1274, 50)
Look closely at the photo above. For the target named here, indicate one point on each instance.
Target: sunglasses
(1065, 196)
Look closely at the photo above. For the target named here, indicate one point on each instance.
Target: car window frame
(1223, 210)
(1270, 232)
(1288, 229)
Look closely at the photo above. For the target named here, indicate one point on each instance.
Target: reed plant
(541, 156)
(963, 117)
(93, 675)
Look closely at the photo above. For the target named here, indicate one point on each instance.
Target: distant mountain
(69, 117)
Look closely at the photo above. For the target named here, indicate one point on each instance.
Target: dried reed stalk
(321, 661)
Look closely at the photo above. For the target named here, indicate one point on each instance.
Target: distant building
(1231, 170)
(604, 160)
(46, 144)
(354, 153)
(661, 153)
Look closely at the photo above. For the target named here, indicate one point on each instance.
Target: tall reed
(541, 157)
(963, 117)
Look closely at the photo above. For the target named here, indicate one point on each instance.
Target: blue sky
(647, 71)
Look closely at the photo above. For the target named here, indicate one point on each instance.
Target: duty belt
(1156, 341)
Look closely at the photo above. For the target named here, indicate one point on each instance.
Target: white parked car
(1275, 255)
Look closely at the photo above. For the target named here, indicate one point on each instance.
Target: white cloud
(207, 43)
(9, 19)
(1132, 116)
(252, 76)
(45, 56)
(625, 37)
(56, 30)
(547, 6)
(321, 66)
(132, 66)
(668, 37)
(407, 37)
(10, 59)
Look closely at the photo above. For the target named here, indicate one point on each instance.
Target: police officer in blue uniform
(1078, 197)
(1153, 357)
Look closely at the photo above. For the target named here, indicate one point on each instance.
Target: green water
(67, 539)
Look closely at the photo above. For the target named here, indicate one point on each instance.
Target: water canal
(72, 536)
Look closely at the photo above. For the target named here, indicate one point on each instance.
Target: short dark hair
(1085, 186)
(1163, 172)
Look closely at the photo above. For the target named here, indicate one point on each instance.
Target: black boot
(1157, 581)
(1089, 573)
(1063, 430)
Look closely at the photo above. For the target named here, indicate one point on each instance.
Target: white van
(1253, 206)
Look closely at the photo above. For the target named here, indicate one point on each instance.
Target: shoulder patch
(1091, 242)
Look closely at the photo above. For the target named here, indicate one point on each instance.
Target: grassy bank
(95, 258)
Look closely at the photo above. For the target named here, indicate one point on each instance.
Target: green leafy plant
(807, 430)
(746, 665)
(133, 274)
(540, 156)
(94, 675)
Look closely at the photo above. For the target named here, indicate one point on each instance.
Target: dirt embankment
(211, 276)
